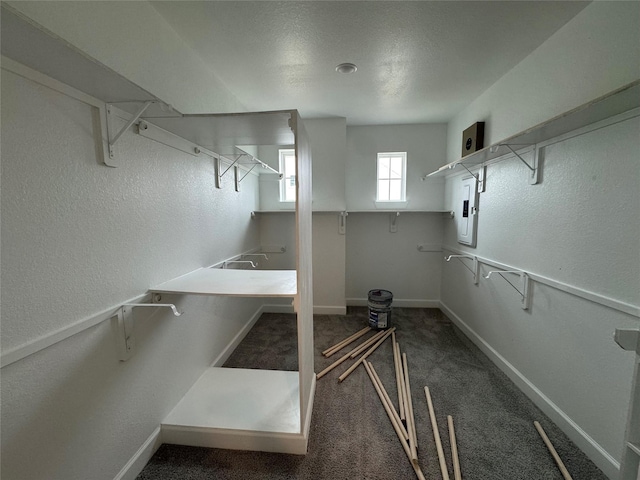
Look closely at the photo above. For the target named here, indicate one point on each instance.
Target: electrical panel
(468, 213)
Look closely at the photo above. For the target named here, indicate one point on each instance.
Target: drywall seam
(137, 463)
(628, 308)
(586, 443)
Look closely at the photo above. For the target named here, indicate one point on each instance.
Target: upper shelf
(47, 53)
(235, 283)
(616, 102)
(39, 49)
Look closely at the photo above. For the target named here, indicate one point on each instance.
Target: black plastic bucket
(379, 302)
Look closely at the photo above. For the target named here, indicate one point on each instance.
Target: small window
(391, 177)
(288, 170)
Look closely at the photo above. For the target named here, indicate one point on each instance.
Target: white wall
(133, 39)
(375, 257)
(327, 138)
(579, 226)
(79, 238)
(593, 54)
(425, 145)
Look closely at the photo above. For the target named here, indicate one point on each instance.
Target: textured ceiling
(418, 61)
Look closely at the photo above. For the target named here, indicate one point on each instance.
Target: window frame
(403, 177)
(286, 176)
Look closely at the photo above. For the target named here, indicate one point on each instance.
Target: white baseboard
(135, 465)
(233, 344)
(397, 302)
(329, 310)
(277, 308)
(588, 445)
(306, 428)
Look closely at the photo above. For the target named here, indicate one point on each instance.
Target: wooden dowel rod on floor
(403, 389)
(340, 345)
(386, 396)
(344, 358)
(436, 436)
(563, 469)
(413, 441)
(396, 427)
(457, 474)
(396, 364)
(364, 346)
(363, 357)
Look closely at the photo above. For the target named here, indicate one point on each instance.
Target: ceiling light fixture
(346, 68)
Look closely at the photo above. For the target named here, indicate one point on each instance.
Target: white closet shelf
(235, 283)
(616, 102)
(239, 409)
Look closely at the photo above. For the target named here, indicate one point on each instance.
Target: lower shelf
(239, 409)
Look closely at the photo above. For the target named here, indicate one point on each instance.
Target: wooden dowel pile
(369, 352)
(402, 419)
(379, 388)
(347, 341)
(346, 356)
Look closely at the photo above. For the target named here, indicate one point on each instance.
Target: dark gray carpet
(351, 436)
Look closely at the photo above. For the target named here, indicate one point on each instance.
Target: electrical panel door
(467, 212)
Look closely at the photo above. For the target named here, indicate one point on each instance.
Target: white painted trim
(397, 302)
(606, 462)
(292, 443)
(233, 344)
(628, 308)
(306, 427)
(329, 310)
(33, 346)
(275, 308)
(136, 464)
(41, 79)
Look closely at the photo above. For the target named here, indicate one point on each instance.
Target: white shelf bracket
(525, 291)
(126, 339)
(533, 168)
(229, 262)
(233, 163)
(628, 339)
(476, 265)
(342, 223)
(393, 222)
(113, 139)
(216, 168)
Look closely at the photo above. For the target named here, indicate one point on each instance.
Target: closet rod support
(253, 264)
(525, 293)
(393, 222)
(132, 120)
(628, 339)
(342, 223)
(534, 168)
(233, 163)
(126, 339)
(476, 265)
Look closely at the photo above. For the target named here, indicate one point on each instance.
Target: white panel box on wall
(468, 218)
